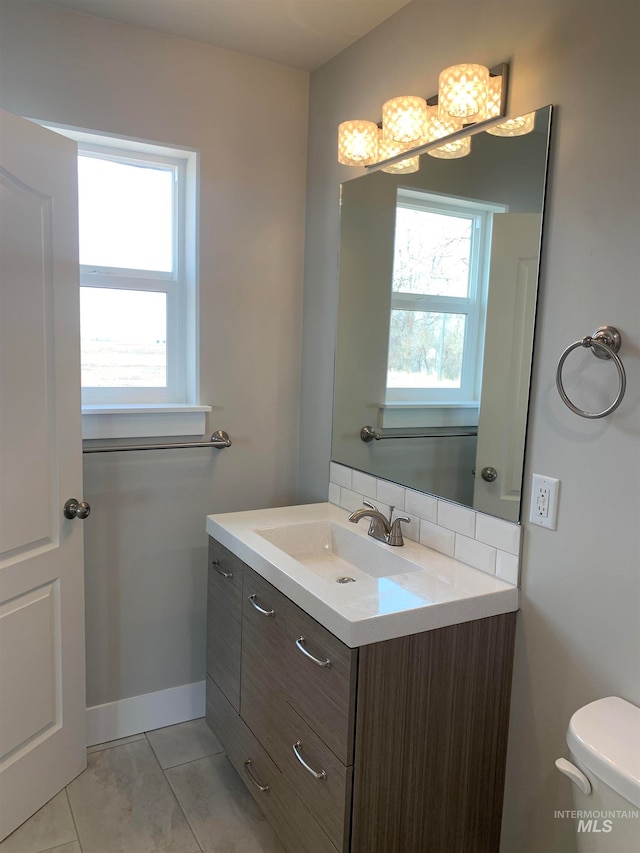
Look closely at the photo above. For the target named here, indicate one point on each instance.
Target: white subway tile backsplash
(411, 529)
(457, 518)
(364, 484)
(500, 534)
(340, 474)
(437, 538)
(507, 567)
(350, 500)
(390, 493)
(424, 506)
(486, 543)
(334, 494)
(475, 553)
(385, 509)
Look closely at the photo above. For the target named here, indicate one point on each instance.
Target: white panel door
(42, 667)
(502, 421)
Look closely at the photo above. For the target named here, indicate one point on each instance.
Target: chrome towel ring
(604, 343)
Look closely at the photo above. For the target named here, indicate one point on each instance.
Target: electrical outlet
(544, 501)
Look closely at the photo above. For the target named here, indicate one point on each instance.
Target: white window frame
(185, 416)
(472, 306)
(172, 284)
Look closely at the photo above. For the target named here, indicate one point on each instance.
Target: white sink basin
(305, 551)
(332, 551)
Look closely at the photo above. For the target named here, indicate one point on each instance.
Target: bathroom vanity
(364, 715)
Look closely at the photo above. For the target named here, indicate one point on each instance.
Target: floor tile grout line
(174, 795)
(192, 828)
(115, 745)
(73, 817)
(193, 760)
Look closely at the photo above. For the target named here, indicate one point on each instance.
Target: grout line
(173, 793)
(60, 846)
(192, 828)
(153, 751)
(73, 817)
(193, 760)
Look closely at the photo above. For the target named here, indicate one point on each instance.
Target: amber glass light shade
(494, 97)
(357, 142)
(517, 126)
(388, 148)
(462, 92)
(437, 129)
(403, 119)
(452, 150)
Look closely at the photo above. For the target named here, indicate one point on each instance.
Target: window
(137, 337)
(438, 299)
(138, 219)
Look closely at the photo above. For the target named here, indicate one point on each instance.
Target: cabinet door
(263, 631)
(224, 620)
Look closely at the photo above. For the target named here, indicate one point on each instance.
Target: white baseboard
(127, 717)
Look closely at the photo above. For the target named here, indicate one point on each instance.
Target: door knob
(489, 474)
(74, 508)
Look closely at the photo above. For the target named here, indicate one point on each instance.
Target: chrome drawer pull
(216, 565)
(264, 788)
(300, 644)
(314, 773)
(252, 599)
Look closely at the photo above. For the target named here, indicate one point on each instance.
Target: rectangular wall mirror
(437, 297)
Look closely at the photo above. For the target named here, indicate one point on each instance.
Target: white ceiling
(300, 33)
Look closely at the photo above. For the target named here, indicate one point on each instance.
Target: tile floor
(170, 790)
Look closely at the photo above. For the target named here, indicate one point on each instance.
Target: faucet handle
(369, 504)
(395, 535)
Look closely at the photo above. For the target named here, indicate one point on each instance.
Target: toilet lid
(604, 737)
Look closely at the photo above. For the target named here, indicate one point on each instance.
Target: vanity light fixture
(452, 150)
(494, 97)
(517, 126)
(470, 98)
(438, 129)
(463, 91)
(387, 149)
(357, 143)
(404, 119)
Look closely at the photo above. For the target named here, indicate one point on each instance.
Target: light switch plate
(544, 501)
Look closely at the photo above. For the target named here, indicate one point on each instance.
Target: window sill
(408, 415)
(143, 421)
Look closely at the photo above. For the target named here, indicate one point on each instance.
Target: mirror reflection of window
(438, 302)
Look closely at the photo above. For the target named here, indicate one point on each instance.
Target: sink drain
(346, 579)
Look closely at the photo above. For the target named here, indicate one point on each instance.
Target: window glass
(432, 253)
(126, 214)
(426, 349)
(124, 338)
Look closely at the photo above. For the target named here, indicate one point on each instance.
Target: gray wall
(578, 627)
(145, 539)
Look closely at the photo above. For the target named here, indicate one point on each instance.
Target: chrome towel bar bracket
(604, 343)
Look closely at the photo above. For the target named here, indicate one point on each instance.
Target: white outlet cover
(539, 483)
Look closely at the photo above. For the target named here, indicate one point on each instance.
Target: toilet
(604, 747)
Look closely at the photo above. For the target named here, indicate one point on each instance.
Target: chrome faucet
(389, 532)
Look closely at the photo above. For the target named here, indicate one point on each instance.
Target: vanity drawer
(224, 620)
(323, 695)
(324, 784)
(295, 826)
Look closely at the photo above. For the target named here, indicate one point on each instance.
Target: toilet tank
(604, 743)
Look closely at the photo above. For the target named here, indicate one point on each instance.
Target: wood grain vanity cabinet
(394, 747)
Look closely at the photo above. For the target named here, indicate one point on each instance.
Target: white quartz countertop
(442, 592)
